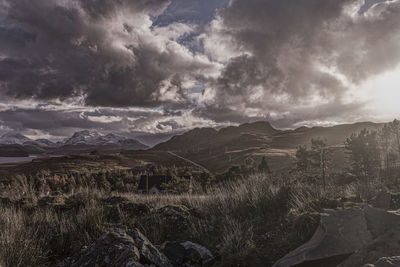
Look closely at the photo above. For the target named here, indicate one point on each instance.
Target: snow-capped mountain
(79, 142)
(83, 137)
(13, 138)
(94, 138)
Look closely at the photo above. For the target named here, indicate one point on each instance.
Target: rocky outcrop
(187, 254)
(386, 245)
(386, 262)
(119, 248)
(373, 233)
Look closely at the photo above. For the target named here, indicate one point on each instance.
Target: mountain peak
(14, 138)
(259, 127)
(84, 136)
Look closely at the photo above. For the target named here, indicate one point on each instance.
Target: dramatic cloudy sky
(152, 68)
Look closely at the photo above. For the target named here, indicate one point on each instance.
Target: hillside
(217, 150)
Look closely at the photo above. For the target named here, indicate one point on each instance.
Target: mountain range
(214, 149)
(16, 144)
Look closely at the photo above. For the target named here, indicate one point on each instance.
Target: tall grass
(239, 220)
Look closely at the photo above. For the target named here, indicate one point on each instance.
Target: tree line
(371, 155)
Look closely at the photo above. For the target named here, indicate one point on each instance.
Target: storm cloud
(105, 50)
(153, 68)
(298, 58)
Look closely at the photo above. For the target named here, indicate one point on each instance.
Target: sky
(150, 69)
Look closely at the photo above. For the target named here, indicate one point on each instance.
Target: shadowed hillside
(217, 150)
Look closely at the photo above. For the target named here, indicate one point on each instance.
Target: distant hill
(217, 150)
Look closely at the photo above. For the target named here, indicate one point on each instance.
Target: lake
(16, 159)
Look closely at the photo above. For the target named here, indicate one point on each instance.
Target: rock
(175, 252)
(147, 251)
(385, 245)
(380, 221)
(205, 255)
(119, 248)
(386, 262)
(187, 254)
(343, 232)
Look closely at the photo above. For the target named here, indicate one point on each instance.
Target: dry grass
(234, 218)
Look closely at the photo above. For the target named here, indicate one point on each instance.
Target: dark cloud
(139, 66)
(297, 57)
(106, 50)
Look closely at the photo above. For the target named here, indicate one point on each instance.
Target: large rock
(119, 248)
(148, 252)
(370, 231)
(386, 245)
(386, 262)
(187, 254)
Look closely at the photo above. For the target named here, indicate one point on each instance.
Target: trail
(191, 162)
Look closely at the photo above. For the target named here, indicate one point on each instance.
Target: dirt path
(191, 162)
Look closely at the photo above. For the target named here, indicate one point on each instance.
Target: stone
(349, 237)
(386, 245)
(148, 251)
(187, 254)
(119, 248)
(205, 255)
(386, 262)
(340, 233)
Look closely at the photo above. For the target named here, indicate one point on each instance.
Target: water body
(16, 159)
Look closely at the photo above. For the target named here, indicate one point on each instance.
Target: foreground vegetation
(248, 222)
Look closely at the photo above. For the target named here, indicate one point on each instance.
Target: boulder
(339, 234)
(187, 254)
(369, 231)
(386, 262)
(192, 248)
(386, 245)
(119, 248)
(149, 253)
